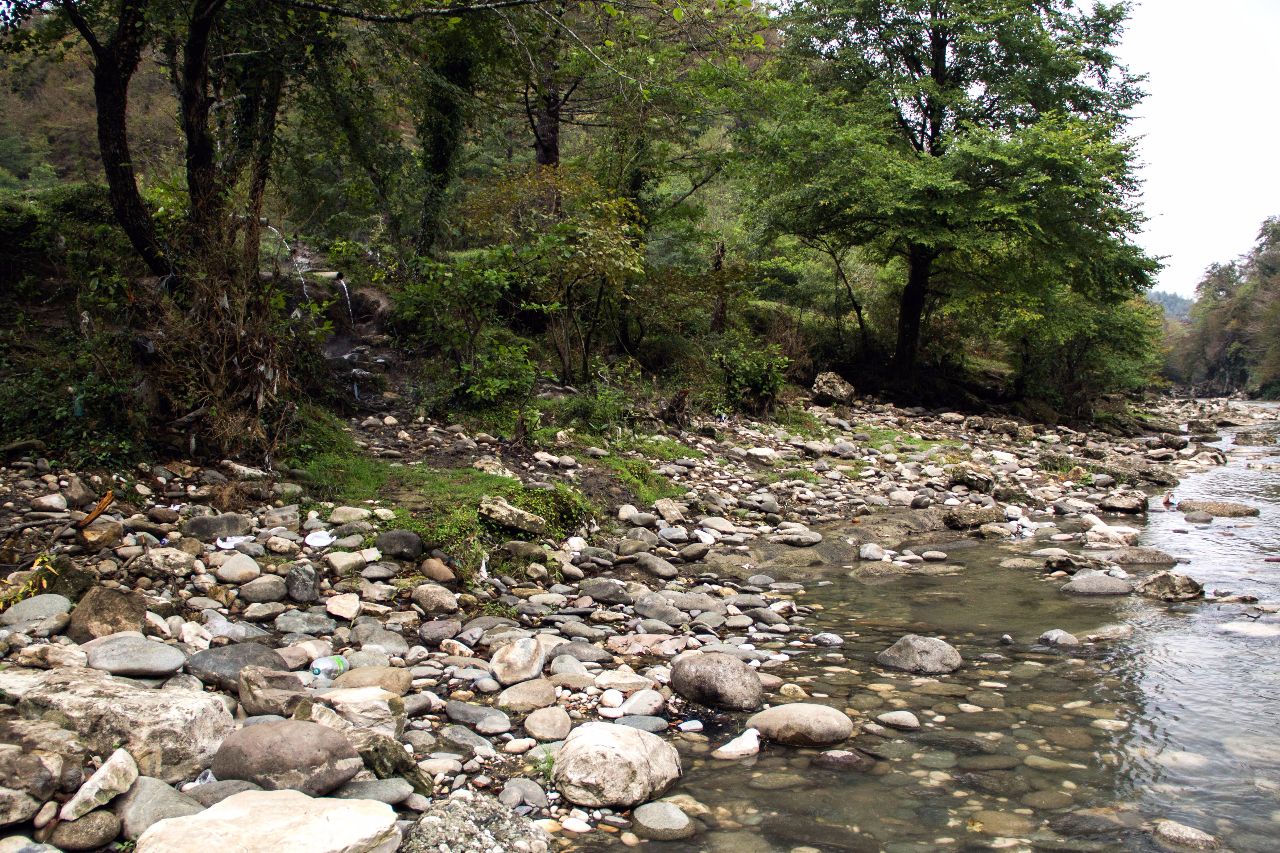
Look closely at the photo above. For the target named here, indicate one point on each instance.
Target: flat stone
(280, 822)
(802, 724)
(220, 666)
(1097, 583)
(36, 608)
(393, 791)
(130, 655)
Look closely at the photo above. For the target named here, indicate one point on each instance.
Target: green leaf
(678, 14)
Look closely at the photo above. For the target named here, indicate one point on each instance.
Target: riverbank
(173, 635)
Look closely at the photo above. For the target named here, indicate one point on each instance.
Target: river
(1064, 748)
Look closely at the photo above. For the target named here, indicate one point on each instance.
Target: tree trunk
(911, 308)
(203, 187)
(259, 172)
(111, 95)
(546, 125)
(440, 134)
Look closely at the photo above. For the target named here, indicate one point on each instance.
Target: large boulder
(802, 724)
(602, 764)
(830, 388)
(1168, 586)
(105, 611)
(220, 666)
(717, 680)
(302, 756)
(170, 733)
(914, 653)
(473, 823)
(280, 822)
(518, 661)
(1096, 583)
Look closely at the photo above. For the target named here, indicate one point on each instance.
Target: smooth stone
(280, 822)
(662, 821)
(802, 724)
(128, 655)
(293, 754)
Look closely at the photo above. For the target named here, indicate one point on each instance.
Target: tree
(952, 136)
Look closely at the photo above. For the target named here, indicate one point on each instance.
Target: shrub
(754, 374)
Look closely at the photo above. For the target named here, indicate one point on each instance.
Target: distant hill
(1175, 306)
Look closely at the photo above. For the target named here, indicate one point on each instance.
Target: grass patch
(439, 504)
(638, 477)
(1058, 463)
(800, 422)
(442, 506)
(335, 468)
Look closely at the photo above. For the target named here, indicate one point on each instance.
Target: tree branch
(407, 17)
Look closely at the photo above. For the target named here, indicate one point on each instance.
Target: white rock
(116, 775)
(745, 744)
(280, 822)
(601, 764)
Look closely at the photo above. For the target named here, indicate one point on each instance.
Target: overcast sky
(1210, 128)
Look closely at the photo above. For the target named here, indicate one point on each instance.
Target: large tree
(949, 135)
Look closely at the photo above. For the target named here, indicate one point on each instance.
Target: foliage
(957, 139)
(754, 374)
(1231, 341)
(77, 392)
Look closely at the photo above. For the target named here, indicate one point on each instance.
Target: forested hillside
(645, 201)
(1231, 340)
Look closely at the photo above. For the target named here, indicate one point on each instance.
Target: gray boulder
(171, 733)
(151, 800)
(220, 666)
(927, 655)
(717, 680)
(292, 754)
(601, 764)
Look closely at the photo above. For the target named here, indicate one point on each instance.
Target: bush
(78, 394)
(754, 374)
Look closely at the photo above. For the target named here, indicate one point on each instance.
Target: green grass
(440, 504)
(800, 422)
(638, 476)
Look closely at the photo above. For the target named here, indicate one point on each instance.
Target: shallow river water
(1072, 749)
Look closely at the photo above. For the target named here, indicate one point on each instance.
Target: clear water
(1181, 720)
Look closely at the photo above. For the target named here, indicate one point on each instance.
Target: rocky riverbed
(633, 683)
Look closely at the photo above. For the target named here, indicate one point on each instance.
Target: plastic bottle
(329, 667)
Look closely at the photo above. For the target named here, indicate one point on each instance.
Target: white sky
(1210, 128)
